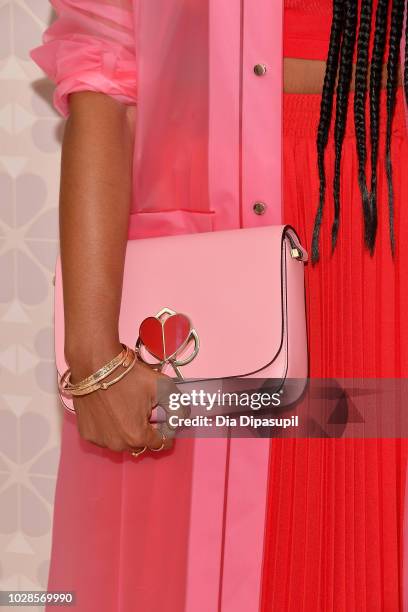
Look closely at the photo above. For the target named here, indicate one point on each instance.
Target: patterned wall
(30, 140)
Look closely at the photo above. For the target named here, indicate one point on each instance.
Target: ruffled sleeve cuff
(87, 63)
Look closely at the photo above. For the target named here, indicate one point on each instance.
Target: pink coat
(207, 148)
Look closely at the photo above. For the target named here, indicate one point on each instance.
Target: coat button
(259, 208)
(260, 69)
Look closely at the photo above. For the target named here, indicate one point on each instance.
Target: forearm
(95, 196)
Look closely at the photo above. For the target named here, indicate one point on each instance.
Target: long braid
(343, 89)
(375, 91)
(392, 78)
(326, 107)
(339, 59)
(360, 97)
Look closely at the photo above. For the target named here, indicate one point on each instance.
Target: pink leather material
(248, 325)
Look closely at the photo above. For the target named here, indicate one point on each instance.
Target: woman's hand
(118, 417)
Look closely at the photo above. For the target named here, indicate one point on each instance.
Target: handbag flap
(230, 284)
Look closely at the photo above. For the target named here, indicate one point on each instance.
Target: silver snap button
(259, 208)
(260, 69)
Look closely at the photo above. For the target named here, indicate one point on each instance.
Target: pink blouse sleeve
(90, 47)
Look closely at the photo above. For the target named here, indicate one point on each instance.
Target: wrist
(84, 358)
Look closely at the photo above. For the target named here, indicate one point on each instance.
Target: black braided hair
(375, 94)
(326, 107)
(360, 96)
(339, 63)
(397, 16)
(343, 89)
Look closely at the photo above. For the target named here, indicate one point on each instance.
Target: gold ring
(136, 453)
(156, 450)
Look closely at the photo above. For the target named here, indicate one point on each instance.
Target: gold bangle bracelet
(103, 372)
(105, 385)
(99, 374)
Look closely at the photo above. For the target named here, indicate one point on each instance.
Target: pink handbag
(213, 305)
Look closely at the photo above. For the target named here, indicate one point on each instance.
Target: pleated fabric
(335, 511)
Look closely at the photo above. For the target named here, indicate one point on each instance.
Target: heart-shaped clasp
(170, 338)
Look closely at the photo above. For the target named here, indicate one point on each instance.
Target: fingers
(121, 422)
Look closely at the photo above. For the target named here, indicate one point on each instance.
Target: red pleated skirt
(334, 524)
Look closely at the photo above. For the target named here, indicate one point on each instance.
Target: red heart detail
(151, 334)
(164, 339)
(176, 330)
